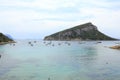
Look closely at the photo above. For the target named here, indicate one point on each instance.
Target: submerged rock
(86, 31)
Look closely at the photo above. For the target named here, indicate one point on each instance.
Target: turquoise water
(86, 60)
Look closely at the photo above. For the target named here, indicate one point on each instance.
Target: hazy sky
(25, 19)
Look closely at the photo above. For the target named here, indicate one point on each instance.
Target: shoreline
(81, 40)
(2, 43)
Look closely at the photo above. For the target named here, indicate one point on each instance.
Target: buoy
(29, 42)
(53, 45)
(35, 41)
(13, 44)
(106, 62)
(59, 43)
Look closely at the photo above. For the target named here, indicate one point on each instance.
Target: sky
(35, 19)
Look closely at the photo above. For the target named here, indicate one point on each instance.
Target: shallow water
(85, 60)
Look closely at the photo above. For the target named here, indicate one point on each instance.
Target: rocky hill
(86, 31)
(4, 39)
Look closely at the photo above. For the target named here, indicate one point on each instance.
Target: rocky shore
(5, 39)
(115, 47)
(2, 43)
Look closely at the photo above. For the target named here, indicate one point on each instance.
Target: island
(5, 39)
(86, 31)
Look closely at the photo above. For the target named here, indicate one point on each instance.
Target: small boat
(35, 41)
(99, 42)
(29, 42)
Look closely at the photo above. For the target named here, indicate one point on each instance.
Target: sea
(59, 60)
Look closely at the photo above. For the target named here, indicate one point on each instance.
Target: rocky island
(5, 39)
(86, 31)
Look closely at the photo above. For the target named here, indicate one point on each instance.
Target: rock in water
(115, 47)
(86, 31)
(4, 39)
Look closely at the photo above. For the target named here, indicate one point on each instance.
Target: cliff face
(4, 39)
(86, 31)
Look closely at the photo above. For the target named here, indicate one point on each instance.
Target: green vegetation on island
(86, 31)
(4, 39)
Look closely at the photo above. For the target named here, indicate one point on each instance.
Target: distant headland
(86, 31)
(5, 39)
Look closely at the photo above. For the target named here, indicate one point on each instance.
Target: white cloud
(48, 16)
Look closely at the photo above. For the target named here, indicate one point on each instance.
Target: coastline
(2, 43)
